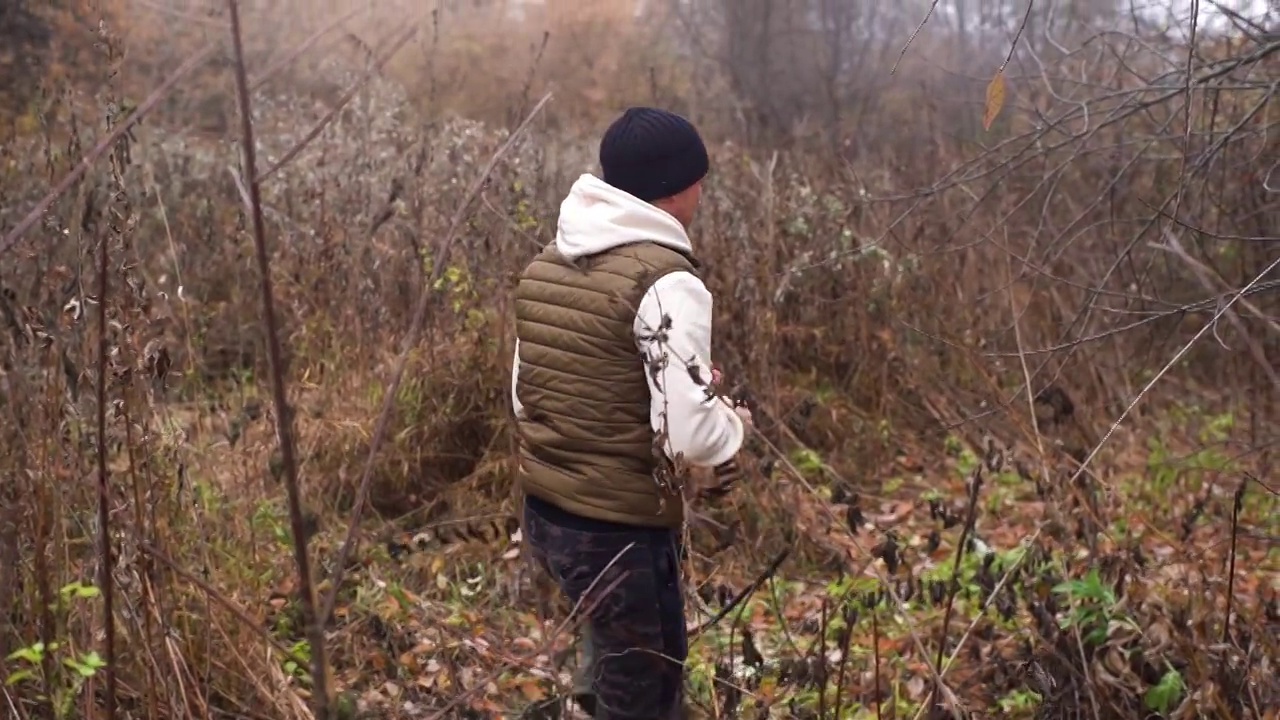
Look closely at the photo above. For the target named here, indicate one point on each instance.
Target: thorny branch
(933, 6)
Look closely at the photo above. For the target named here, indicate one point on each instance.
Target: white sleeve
(516, 407)
(677, 308)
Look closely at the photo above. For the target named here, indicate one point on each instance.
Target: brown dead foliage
(902, 294)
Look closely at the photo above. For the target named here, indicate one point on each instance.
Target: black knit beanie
(652, 154)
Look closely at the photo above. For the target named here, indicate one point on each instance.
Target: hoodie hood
(596, 216)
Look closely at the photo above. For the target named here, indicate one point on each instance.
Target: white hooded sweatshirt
(595, 217)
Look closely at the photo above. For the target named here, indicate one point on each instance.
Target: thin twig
(966, 533)
(106, 576)
(1202, 274)
(743, 594)
(875, 653)
(284, 415)
(1237, 504)
(1022, 27)
(912, 38)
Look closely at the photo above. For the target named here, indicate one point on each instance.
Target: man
(609, 386)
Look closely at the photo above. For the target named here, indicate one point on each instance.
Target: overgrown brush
(939, 337)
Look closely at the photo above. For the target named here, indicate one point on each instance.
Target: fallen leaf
(533, 691)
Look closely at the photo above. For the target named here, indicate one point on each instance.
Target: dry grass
(1017, 389)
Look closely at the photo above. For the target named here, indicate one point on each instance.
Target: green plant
(1093, 607)
(1164, 696)
(301, 650)
(70, 668)
(1019, 702)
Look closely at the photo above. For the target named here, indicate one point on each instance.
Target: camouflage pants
(635, 627)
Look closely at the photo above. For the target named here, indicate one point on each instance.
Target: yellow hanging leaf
(995, 100)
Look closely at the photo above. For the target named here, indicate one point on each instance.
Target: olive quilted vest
(586, 442)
